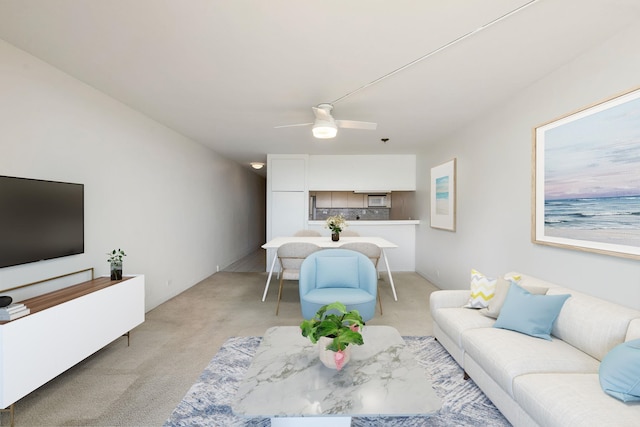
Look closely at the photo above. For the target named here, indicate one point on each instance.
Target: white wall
(177, 208)
(494, 184)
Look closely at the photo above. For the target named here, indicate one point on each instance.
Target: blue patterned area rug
(208, 402)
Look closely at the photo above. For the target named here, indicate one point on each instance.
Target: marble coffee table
(287, 382)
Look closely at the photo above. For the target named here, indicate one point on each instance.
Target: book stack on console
(13, 311)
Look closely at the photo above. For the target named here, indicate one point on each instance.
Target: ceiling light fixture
(324, 129)
(257, 165)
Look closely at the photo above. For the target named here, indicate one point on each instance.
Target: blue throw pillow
(529, 314)
(337, 272)
(620, 372)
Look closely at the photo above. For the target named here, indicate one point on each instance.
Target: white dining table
(325, 242)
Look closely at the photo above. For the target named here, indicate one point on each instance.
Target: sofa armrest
(448, 299)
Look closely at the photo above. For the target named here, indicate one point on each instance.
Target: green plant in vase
(335, 329)
(115, 261)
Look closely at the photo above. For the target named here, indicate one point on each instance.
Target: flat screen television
(39, 220)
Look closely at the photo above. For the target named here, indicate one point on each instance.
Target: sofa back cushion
(633, 332)
(526, 280)
(591, 324)
(337, 272)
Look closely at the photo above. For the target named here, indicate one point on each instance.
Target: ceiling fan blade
(292, 126)
(354, 124)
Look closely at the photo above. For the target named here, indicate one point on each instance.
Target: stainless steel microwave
(377, 200)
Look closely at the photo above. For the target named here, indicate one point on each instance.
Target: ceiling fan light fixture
(324, 129)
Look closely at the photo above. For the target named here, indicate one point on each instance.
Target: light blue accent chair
(342, 275)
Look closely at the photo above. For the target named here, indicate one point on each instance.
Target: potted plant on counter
(336, 223)
(334, 329)
(115, 261)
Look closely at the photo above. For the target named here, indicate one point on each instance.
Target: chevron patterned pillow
(482, 290)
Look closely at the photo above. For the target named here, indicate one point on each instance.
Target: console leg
(128, 335)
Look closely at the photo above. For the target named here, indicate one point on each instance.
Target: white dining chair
(373, 252)
(291, 256)
(303, 233)
(347, 233)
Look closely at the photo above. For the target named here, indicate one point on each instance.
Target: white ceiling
(224, 72)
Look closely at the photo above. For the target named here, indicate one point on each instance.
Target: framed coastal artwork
(586, 179)
(443, 196)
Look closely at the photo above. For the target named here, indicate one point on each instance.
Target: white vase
(328, 357)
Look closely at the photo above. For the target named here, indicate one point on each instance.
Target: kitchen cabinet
(366, 173)
(287, 196)
(339, 199)
(403, 206)
(288, 212)
(287, 174)
(323, 199)
(356, 200)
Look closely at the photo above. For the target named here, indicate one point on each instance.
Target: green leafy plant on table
(115, 256)
(344, 328)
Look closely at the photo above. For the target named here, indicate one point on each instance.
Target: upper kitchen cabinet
(355, 200)
(365, 173)
(323, 199)
(339, 199)
(287, 173)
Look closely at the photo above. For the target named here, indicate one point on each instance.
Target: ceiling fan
(325, 126)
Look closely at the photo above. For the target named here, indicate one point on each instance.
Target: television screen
(39, 220)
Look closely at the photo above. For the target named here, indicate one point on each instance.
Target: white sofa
(533, 381)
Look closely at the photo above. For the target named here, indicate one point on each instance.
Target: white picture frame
(443, 196)
(586, 179)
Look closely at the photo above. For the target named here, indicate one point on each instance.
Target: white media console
(65, 327)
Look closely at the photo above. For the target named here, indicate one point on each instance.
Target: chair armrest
(448, 299)
(307, 278)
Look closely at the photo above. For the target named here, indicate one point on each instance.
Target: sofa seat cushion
(506, 354)
(566, 400)
(454, 321)
(591, 324)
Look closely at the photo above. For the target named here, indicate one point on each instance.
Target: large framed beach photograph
(443, 196)
(586, 179)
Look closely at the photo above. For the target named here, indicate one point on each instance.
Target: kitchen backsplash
(352, 214)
